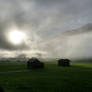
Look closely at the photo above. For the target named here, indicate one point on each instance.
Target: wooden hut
(64, 62)
(34, 63)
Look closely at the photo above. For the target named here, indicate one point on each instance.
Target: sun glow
(16, 37)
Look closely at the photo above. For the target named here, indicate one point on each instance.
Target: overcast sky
(44, 22)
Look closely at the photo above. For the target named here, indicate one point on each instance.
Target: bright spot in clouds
(16, 37)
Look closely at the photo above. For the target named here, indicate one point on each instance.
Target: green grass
(77, 78)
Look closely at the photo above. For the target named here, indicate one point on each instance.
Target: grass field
(77, 78)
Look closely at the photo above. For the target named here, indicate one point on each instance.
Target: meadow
(15, 77)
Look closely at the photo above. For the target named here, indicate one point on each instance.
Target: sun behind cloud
(16, 37)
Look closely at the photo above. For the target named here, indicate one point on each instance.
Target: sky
(53, 28)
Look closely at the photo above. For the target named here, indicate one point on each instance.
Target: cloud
(44, 21)
(71, 44)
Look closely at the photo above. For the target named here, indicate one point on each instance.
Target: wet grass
(77, 78)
